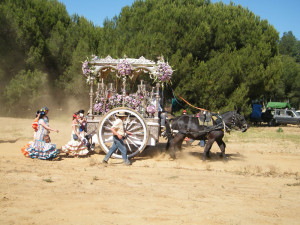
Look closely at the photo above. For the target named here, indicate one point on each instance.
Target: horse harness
(220, 125)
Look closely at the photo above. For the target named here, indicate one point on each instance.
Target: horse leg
(175, 144)
(222, 147)
(207, 149)
(171, 148)
(179, 145)
(179, 139)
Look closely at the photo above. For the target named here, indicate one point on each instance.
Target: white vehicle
(285, 116)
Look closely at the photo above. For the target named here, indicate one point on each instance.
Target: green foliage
(26, 89)
(41, 36)
(279, 130)
(223, 55)
(290, 46)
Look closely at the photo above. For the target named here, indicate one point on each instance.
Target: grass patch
(48, 180)
(95, 178)
(173, 177)
(260, 134)
(279, 130)
(294, 184)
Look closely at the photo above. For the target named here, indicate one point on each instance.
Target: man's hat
(121, 114)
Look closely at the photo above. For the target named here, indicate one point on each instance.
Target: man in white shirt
(118, 135)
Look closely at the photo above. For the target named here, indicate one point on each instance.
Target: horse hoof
(173, 156)
(225, 159)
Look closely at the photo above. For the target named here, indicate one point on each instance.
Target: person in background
(83, 129)
(118, 136)
(151, 109)
(42, 147)
(75, 146)
(201, 117)
(186, 139)
(82, 122)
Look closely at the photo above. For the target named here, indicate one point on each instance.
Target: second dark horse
(189, 126)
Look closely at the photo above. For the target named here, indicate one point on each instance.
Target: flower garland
(131, 101)
(88, 71)
(151, 109)
(163, 73)
(124, 69)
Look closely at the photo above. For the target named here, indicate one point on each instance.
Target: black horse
(189, 126)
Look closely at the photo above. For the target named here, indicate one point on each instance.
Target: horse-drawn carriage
(116, 85)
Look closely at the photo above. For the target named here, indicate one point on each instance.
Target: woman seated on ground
(75, 146)
(42, 148)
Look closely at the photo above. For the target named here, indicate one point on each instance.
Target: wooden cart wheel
(134, 123)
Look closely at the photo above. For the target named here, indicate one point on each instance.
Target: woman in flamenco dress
(42, 148)
(76, 145)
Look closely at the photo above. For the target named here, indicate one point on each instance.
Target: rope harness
(174, 94)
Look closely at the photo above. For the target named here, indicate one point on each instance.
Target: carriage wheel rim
(134, 123)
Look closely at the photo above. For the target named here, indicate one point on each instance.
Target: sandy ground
(259, 184)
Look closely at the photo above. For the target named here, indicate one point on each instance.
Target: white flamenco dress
(75, 147)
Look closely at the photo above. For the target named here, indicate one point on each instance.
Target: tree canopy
(223, 55)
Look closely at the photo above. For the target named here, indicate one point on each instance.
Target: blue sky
(282, 14)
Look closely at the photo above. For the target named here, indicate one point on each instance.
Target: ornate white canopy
(103, 66)
(97, 68)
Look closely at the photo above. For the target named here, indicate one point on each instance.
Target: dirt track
(260, 183)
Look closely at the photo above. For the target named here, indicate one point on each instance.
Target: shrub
(25, 90)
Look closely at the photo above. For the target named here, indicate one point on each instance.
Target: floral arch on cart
(141, 104)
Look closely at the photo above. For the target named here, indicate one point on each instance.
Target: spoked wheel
(133, 122)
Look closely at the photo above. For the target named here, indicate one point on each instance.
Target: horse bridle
(227, 128)
(233, 122)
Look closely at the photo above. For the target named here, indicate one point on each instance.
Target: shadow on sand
(216, 156)
(152, 151)
(9, 141)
